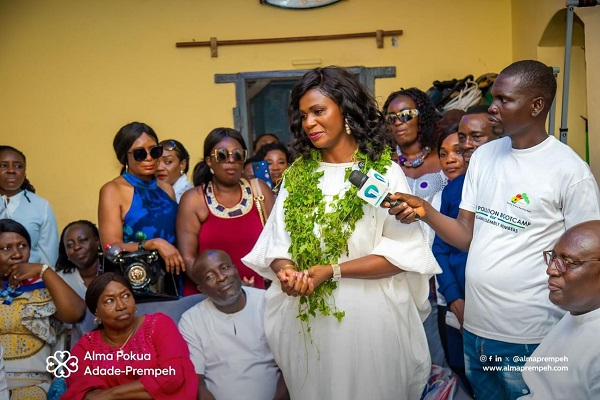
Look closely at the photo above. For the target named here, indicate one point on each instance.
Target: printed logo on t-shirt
(521, 199)
(501, 220)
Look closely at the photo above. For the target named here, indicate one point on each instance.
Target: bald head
(583, 239)
(217, 277)
(205, 260)
(577, 289)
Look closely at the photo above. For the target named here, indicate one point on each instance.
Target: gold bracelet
(289, 266)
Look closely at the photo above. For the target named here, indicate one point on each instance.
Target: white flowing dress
(379, 350)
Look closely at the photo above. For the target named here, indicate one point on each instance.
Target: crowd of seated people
(198, 233)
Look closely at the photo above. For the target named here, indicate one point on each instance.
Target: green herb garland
(305, 209)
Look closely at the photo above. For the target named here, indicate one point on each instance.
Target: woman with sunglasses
(220, 212)
(19, 202)
(173, 167)
(136, 211)
(414, 123)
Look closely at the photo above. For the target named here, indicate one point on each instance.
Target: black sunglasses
(141, 154)
(222, 155)
(402, 116)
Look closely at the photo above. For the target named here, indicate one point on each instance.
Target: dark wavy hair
(262, 153)
(202, 174)
(125, 138)
(63, 263)
(182, 153)
(428, 116)
(26, 185)
(12, 226)
(97, 286)
(356, 105)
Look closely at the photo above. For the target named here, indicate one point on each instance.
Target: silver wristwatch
(337, 272)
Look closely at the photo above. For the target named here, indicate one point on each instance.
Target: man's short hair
(477, 109)
(534, 77)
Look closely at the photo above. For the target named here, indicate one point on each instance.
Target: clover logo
(62, 364)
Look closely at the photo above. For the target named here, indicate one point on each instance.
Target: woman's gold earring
(348, 131)
(211, 171)
(181, 172)
(97, 321)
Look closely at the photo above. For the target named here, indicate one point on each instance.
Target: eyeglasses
(168, 145)
(141, 154)
(402, 116)
(561, 264)
(222, 155)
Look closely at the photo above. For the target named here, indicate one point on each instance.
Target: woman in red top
(128, 356)
(219, 213)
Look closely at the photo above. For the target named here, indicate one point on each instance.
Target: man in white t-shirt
(566, 365)
(226, 336)
(520, 194)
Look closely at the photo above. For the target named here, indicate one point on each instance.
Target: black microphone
(372, 189)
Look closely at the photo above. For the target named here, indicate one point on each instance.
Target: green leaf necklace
(305, 208)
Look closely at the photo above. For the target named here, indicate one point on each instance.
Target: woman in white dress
(344, 313)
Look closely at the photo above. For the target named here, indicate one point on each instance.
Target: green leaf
(305, 209)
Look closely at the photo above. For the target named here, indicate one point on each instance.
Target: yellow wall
(529, 20)
(591, 19)
(73, 72)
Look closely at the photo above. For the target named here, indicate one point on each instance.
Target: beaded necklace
(242, 208)
(417, 162)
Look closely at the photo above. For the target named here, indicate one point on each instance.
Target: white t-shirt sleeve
(581, 202)
(193, 340)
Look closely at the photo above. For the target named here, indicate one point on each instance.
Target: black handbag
(145, 271)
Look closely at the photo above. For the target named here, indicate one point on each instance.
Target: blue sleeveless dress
(152, 213)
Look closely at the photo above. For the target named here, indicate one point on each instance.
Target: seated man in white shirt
(226, 337)
(566, 365)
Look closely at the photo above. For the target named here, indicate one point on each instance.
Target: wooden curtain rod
(213, 43)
